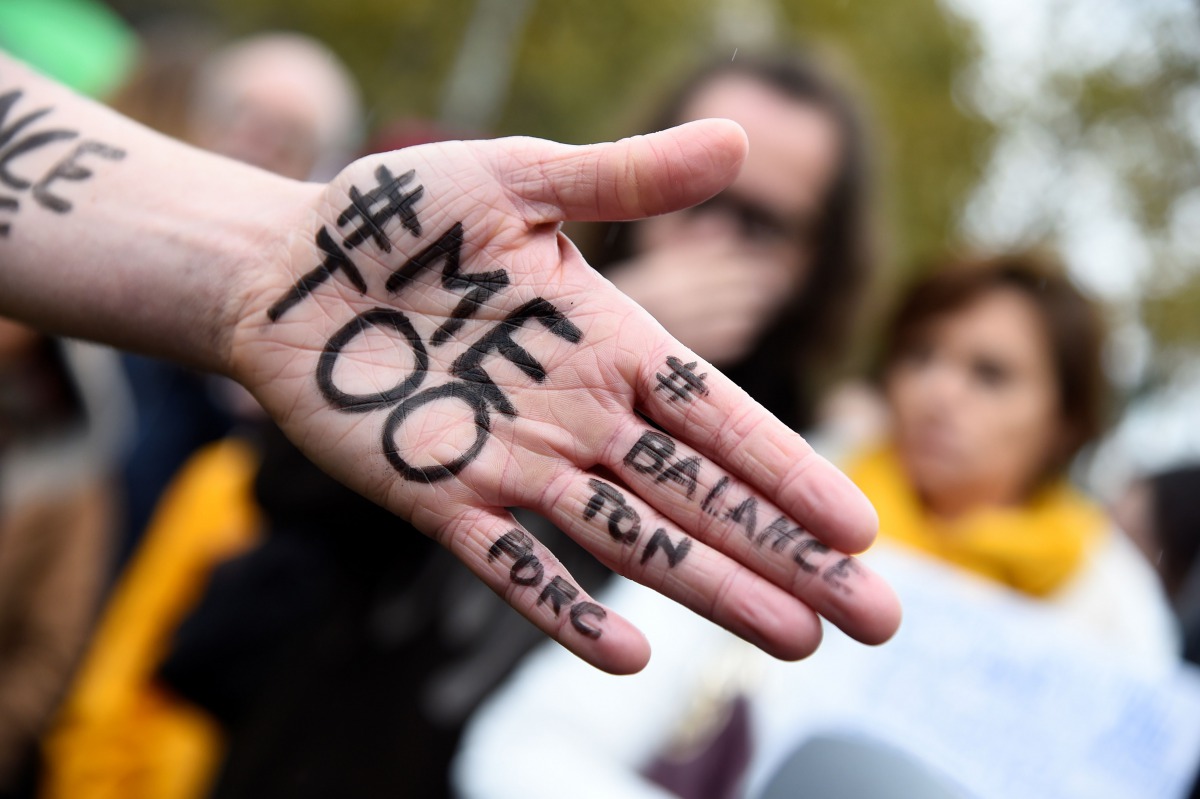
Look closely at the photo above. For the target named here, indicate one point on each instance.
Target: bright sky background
(1036, 182)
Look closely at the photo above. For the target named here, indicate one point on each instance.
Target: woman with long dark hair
(762, 280)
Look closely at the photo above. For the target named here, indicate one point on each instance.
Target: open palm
(432, 340)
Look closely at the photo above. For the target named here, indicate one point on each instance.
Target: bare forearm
(112, 232)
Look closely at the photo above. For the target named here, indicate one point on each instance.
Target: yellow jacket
(118, 735)
(1035, 548)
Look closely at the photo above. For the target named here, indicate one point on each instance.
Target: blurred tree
(584, 70)
(909, 57)
(1097, 104)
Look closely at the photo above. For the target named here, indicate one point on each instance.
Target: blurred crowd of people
(188, 608)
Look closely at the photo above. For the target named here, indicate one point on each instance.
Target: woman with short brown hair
(1014, 583)
(994, 378)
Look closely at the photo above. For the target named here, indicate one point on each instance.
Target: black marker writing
(19, 137)
(526, 568)
(371, 225)
(470, 384)
(710, 499)
(499, 340)
(13, 144)
(447, 250)
(461, 392)
(745, 514)
(651, 452)
(7, 204)
(69, 168)
(381, 318)
(397, 204)
(619, 512)
(335, 260)
(675, 552)
(581, 609)
(806, 547)
(681, 382)
(558, 593)
(475, 388)
(684, 473)
(652, 455)
(836, 574)
(779, 533)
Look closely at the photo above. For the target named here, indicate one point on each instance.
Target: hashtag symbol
(396, 204)
(682, 382)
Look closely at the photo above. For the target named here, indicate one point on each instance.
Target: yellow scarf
(1034, 548)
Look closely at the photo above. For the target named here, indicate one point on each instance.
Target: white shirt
(560, 727)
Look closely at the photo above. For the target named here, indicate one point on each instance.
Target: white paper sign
(994, 693)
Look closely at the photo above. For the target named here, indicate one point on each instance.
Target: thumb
(632, 178)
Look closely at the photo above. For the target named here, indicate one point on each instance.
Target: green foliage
(584, 64)
(1136, 117)
(909, 56)
(587, 71)
(399, 51)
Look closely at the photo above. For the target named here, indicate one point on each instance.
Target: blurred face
(976, 404)
(267, 114)
(272, 132)
(769, 214)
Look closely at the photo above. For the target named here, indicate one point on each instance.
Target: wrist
(247, 245)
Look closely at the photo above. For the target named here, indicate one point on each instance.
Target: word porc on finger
(396, 197)
(527, 570)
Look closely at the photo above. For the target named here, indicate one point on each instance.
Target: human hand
(430, 338)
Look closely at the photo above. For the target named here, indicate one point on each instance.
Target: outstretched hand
(430, 338)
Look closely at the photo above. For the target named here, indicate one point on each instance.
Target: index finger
(708, 411)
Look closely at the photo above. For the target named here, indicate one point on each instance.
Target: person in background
(764, 279)
(59, 424)
(1161, 512)
(994, 375)
(994, 381)
(282, 102)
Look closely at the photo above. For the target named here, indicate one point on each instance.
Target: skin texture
(714, 281)
(160, 253)
(976, 405)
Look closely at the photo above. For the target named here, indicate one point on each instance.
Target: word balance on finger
(654, 457)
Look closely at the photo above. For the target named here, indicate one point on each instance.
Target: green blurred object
(77, 42)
